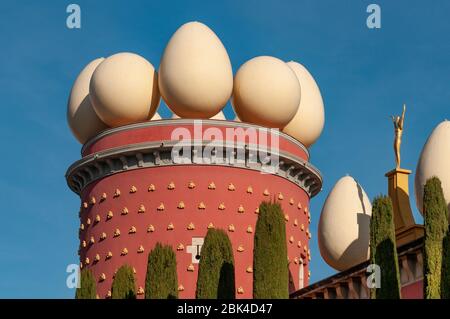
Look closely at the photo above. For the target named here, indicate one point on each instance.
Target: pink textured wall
(202, 176)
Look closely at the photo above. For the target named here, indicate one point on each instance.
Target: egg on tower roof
(195, 74)
(156, 117)
(219, 116)
(82, 119)
(266, 92)
(124, 89)
(308, 122)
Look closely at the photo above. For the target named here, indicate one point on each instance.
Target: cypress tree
(270, 267)
(436, 227)
(216, 267)
(124, 286)
(383, 251)
(161, 281)
(87, 289)
(445, 275)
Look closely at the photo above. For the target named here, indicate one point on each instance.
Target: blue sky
(364, 75)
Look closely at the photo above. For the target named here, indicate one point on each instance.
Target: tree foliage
(436, 228)
(124, 286)
(216, 267)
(87, 288)
(161, 281)
(383, 251)
(270, 266)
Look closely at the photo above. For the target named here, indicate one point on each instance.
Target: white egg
(344, 225)
(124, 89)
(308, 122)
(174, 116)
(195, 74)
(82, 119)
(156, 117)
(219, 116)
(434, 161)
(266, 92)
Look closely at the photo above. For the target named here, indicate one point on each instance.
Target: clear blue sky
(364, 75)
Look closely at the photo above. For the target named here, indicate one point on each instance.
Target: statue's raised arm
(402, 119)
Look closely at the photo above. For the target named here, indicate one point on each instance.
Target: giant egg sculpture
(434, 161)
(344, 225)
(124, 89)
(266, 92)
(219, 116)
(156, 117)
(82, 119)
(195, 74)
(308, 122)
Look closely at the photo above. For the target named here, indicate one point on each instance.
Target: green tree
(270, 267)
(445, 277)
(383, 251)
(436, 227)
(124, 286)
(87, 288)
(216, 267)
(161, 281)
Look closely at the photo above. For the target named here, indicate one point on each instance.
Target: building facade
(165, 181)
(352, 283)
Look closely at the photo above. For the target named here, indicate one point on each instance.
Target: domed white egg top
(266, 92)
(124, 89)
(219, 116)
(308, 122)
(82, 119)
(344, 225)
(195, 74)
(156, 117)
(434, 161)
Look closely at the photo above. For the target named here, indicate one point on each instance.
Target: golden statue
(398, 126)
